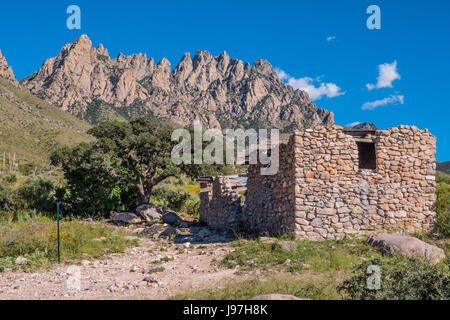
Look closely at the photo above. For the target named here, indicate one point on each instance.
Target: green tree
(126, 158)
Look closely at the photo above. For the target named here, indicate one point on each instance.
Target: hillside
(443, 167)
(221, 91)
(31, 128)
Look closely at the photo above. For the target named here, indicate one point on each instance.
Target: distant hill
(31, 128)
(443, 167)
(362, 126)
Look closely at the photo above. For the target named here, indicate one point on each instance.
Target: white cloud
(393, 99)
(330, 38)
(281, 74)
(309, 85)
(387, 73)
(353, 124)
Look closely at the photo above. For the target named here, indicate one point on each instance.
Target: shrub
(443, 205)
(176, 199)
(35, 238)
(401, 279)
(10, 178)
(5, 195)
(38, 193)
(9, 200)
(169, 197)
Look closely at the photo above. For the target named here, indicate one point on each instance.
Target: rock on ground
(21, 260)
(407, 245)
(149, 212)
(288, 245)
(122, 275)
(172, 218)
(126, 217)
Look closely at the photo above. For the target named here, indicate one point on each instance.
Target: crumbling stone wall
(321, 191)
(220, 208)
(270, 200)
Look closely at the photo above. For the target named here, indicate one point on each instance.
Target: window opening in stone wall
(367, 155)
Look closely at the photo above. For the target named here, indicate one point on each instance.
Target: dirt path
(125, 276)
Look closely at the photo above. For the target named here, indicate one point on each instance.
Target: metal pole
(57, 221)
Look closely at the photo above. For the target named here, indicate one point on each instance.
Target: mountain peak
(265, 68)
(219, 90)
(82, 38)
(102, 50)
(6, 71)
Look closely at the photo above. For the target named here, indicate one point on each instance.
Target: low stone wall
(322, 191)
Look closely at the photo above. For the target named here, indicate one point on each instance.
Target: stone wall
(270, 200)
(320, 191)
(221, 207)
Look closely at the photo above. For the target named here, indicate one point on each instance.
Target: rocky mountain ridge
(220, 91)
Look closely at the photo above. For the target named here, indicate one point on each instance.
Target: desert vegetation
(126, 164)
(29, 242)
(326, 270)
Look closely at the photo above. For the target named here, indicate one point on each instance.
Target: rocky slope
(443, 167)
(220, 91)
(6, 71)
(365, 126)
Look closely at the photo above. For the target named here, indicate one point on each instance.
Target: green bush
(5, 196)
(38, 193)
(443, 205)
(401, 279)
(10, 178)
(35, 193)
(176, 199)
(10, 202)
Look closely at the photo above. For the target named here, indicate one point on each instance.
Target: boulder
(407, 245)
(288, 245)
(203, 233)
(131, 238)
(277, 296)
(168, 233)
(99, 239)
(126, 217)
(154, 231)
(149, 212)
(172, 218)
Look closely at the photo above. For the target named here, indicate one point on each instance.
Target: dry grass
(35, 238)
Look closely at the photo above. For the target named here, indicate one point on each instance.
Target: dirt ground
(187, 266)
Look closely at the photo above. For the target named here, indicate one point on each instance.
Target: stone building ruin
(331, 183)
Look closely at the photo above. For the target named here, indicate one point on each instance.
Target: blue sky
(291, 35)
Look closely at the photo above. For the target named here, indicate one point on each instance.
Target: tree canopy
(122, 165)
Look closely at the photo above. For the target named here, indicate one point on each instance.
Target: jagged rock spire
(218, 90)
(6, 71)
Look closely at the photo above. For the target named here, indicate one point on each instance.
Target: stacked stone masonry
(220, 208)
(323, 190)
